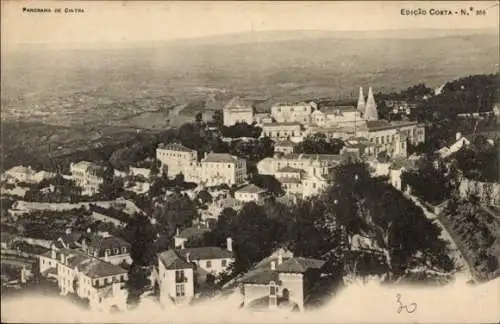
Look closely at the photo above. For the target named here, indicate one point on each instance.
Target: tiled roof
(300, 265)
(102, 243)
(90, 266)
(260, 276)
(171, 260)
(191, 232)
(205, 253)
(175, 147)
(374, 125)
(251, 188)
(220, 158)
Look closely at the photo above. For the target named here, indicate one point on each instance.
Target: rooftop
(205, 253)
(251, 188)
(374, 125)
(175, 147)
(110, 242)
(300, 265)
(95, 268)
(220, 158)
(171, 260)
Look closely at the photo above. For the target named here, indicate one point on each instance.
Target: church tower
(361, 101)
(371, 107)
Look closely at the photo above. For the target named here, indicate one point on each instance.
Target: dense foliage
(319, 144)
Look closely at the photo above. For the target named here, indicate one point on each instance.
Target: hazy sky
(130, 21)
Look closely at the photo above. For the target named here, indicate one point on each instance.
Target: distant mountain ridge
(279, 36)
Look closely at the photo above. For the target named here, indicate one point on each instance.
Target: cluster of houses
(294, 121)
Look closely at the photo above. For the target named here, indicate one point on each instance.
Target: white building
(336, 116)
(392, 136)
(300, 174)
(88, 176)
(293, 112)
(175, 278)
(280, 281)
(237, 111)
(100, 282)
(283, 131)
(222, 168)
(177, 158)
(109, 248)
(25, 174)
(285, 147)
(177, 270)
(250, 193)
(459, 143)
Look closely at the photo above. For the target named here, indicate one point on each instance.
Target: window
(179, 290)
(224, 263)
(179, 276)
(209, 264)
(116, 251)
(124, 250)
(105, 281)
(107, 252)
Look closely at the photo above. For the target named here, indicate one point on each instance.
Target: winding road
(455, 252)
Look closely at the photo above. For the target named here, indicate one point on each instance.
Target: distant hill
(273, 65)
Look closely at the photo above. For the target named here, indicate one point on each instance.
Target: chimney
(88, 230)
(188, 259)
(177, 232)
(458, 136)
(229, 244)
(52, 251)
(273, 265)
(106, 254)
(280, 257)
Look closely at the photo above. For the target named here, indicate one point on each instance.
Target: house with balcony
(98, 281)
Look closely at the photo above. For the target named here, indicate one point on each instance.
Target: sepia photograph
(250, 161)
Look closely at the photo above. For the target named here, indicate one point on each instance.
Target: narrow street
(455, 252)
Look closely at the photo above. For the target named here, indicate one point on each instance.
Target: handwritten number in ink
(403, 307)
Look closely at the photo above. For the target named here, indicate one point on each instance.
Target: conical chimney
(371, 107)
(361, 101)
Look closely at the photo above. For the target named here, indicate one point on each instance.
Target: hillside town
(272, 209)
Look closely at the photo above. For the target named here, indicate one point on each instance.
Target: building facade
(238, 111)
(222, 168)
(250, 193)
(100, 282)
(283, 131)
(88, 176)
(177, 158)
(293, 112)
